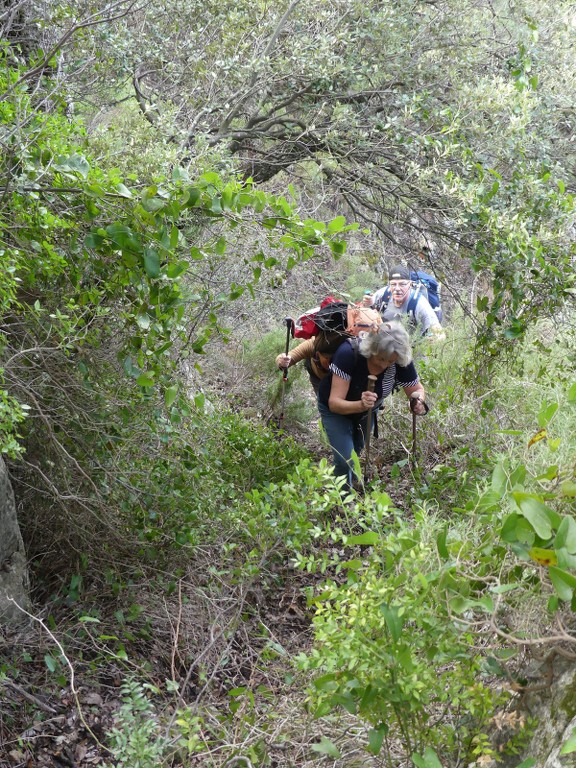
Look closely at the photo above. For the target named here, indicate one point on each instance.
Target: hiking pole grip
(289, 323)
(371, 385)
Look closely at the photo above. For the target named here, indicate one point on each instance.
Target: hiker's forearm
(347, 407)
(302, 351)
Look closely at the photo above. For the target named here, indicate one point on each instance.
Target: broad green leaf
(326, 683)
(123, 191)
(151, 262)
(146, 379)
(550, 474)
(73, 164)
(569, 746)
(428, 760)
(191, 197)
(441, 544)
(499, 479)
(120, 234)
(210, 177)
(227, 198)
(50, 662)
(460, 604)
(492, 667)
(170, 395)
(326, 747)
(338, 247)
(564, 582)
(529, 763)
(152, 204)
(482, 303)
(566, 536)
(572, 393)
(376, 737)
(517, 477)
(129, 367)
(525, 532)
(547, 411)
(394, 622)
(565, 558)
(508, 530)
(93, 240)
(568, 488)
(537, 513)
(175, 270)
(553, 603)
(489, 500)
(337, 224)
(347, 701)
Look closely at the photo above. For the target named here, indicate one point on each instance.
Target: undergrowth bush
(424, 632)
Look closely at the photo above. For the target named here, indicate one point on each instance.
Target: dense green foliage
(407, 114)
(181, 547)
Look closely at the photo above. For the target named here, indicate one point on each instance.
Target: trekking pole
(370, 387)
(289, 332)
(413, 454)
(413, 401)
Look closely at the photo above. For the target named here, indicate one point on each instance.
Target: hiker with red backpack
(324, 328)
(316, 353)
(345, 399)
(408, 295)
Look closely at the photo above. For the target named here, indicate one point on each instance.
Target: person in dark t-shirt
(343, 397)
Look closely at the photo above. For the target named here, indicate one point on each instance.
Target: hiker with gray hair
(344, 398)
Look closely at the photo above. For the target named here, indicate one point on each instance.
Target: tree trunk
(13, 570)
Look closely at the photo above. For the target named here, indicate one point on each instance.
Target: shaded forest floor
(58, 707)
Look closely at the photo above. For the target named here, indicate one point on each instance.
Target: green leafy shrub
(136, 741)
(388, 649)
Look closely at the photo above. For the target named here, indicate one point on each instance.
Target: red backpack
(332, 315)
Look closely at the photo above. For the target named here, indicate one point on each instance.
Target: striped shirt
(353, 367)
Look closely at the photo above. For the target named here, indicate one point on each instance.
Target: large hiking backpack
(337, 316)
(423, 284)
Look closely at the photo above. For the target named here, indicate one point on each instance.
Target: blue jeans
(346, 434)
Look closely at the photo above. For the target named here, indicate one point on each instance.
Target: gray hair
(390, 339)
